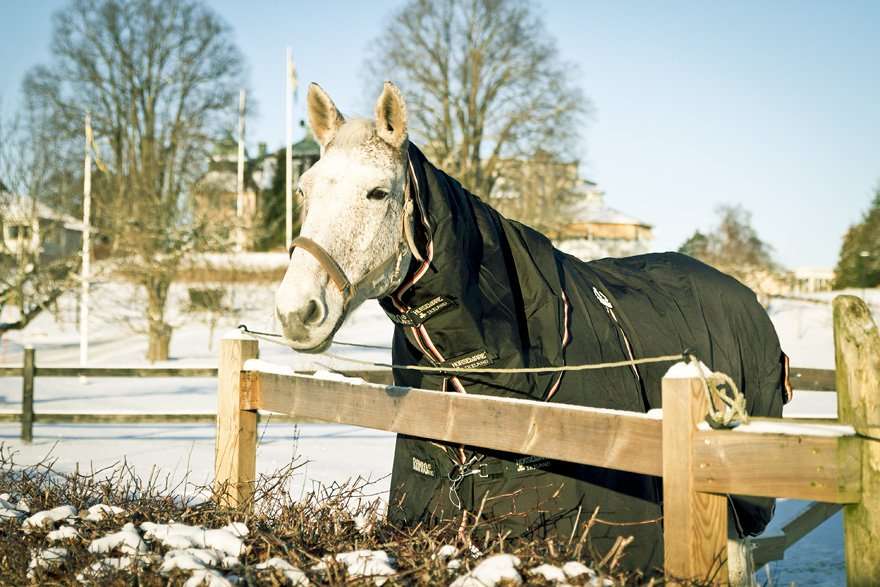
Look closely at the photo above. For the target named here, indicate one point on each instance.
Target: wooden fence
(30, 371)
(830, 462)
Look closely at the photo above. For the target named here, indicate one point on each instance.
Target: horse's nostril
(312, 313)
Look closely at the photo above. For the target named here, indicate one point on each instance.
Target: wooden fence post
(27, 395)
(235, 453)
(857, 354)
(694, 524)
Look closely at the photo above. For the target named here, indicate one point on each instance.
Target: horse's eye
(377, 194)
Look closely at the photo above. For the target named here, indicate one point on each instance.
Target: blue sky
(772, 105)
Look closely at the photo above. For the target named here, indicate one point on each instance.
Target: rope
(727, 404)
(270, 336)
(278, 339)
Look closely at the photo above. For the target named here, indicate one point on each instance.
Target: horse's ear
(391, 116)
(324, 117)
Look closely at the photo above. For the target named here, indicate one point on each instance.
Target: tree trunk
(159, 342)
(159, 332)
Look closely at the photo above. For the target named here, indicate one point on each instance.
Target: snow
(446, 551)
(12, 510)
(48, 557)
(127, 541)
(208, 578)
(183, 536)
(376, 564)
(550, 573)
(491, 571)
(190, 559)
(100, 511)
(262, 366)
(296, 577)
(574, 569)
(50, 517)
(683, 370)
(790, 428)
(62, 533)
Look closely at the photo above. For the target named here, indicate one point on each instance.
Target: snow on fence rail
(836, 464)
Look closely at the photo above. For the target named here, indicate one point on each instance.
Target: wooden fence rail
(834, 463)
(30, 371)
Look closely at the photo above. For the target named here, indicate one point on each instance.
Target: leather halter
(348, 289)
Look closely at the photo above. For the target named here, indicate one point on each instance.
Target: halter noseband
(348, 289)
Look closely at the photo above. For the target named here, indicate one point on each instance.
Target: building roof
(21, 208)
(307, 146)
(591, 208)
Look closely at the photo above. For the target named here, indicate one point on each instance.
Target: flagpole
(86, 247)
(288, 159)
(239, 201)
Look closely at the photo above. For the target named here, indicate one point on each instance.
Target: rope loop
(727, 404)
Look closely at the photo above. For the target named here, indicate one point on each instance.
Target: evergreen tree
(859, 262)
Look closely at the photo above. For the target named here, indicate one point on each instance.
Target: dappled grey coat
(494, 292)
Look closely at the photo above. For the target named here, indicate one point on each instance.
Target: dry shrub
(328, 520)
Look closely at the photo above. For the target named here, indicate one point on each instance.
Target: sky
(771, 105)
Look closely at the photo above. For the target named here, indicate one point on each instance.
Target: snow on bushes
(118, 530)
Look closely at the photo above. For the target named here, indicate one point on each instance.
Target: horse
(468, 288)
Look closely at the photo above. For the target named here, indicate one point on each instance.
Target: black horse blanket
(491, 291)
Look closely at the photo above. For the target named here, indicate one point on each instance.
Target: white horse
(356, 220)
(381, 222)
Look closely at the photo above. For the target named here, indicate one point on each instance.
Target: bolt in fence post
(235, 455)
(857, 355)
(27, 395)
(694, 524)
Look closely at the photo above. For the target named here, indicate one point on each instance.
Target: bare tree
(159, 78)
(734, 247)
(484, 85)
(38, 259)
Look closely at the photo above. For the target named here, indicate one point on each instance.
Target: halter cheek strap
(348, 289)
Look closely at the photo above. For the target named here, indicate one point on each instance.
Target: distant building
(812, 279)
(595, 230)
(216, 194)
(32, 227)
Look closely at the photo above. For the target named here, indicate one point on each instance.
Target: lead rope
(727, 404)
(281, 340)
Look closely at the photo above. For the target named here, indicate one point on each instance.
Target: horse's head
(352, 244)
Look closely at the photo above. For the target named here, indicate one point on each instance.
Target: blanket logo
(423, 467)
(473, 360)
(416, 316)
(531, 463)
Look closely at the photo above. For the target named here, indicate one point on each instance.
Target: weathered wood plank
(208, 372)
(778, 465)
(134, 418)
(381, 376)
(806, 379)
(235, 457)
(605, 438)
(27, 396)
(857, 356)
(694, 523)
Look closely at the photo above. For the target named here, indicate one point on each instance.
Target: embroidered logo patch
(423, 467)
(419, 314)
(531, 463)
(473, 360)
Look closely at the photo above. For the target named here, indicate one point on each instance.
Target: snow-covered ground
(333, 452)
